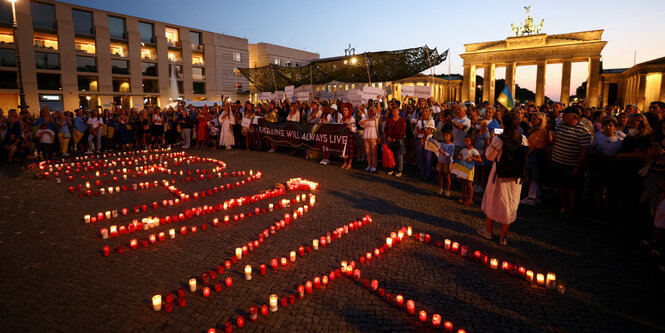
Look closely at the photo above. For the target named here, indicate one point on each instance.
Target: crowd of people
(613, 156)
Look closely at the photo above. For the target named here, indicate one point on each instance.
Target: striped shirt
(569, 142)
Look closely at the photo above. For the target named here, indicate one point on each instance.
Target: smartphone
(498, 131)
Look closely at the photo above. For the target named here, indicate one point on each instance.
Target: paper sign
(355, 99)
(303, 96)
(265, 96)
(389, 89)
(288, 90)
(407, 90)
(373, 90)
(246, 122)
(326, 95)
(422, 91)
(278, 95)
(255, 121)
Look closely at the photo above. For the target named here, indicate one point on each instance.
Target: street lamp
(22, 106)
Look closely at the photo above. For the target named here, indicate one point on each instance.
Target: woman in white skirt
(226, 121)
(502, 195)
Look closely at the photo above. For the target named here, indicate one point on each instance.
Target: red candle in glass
(448, 327)
(365, 283)
(227, 264)
(317, 282)
(436, 320)
(228, 327)
(422, 315)
(234, 259)
(399, 300)
(283, 301)
(476, 255)
(229, 282)
(264, 310)
(181, 292)
(169, 298)
(301, 251)
(308, 287)
(183, 231)
(273, 264)
(505, 266)
(133, 244)
(356, 274)
(455, 247)
(161, 236)
(218, 287)
(240, 321)
(262, 269)
(181, 302)
(152, 238)
(522, 271)
(292, 299)
(374, 285)
(410, 306)
(301, 291)
(106, 250)
(253, 313)
(206, 291)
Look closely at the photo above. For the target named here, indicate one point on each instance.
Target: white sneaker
(326, 161)
(323, 161)
(390, 173)
(528, 201)
(399, 174)
(372, 170)
(368, 168)
(272, 150)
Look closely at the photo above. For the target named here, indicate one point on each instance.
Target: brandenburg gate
(533, 48)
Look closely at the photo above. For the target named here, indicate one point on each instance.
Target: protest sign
(422, 91)
(331, 138)
(407, 90)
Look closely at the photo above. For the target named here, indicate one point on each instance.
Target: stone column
(540, 82)
(488, 83)
(641, 92)
(592, 86)
(469, 84)
(510, 77)
(661, 95)
(606, 92)
(565, 82)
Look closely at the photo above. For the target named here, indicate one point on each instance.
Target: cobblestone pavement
(53, 276)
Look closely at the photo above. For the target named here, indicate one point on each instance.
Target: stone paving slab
(54, 278)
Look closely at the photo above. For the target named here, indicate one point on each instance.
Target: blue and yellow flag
(506, 98)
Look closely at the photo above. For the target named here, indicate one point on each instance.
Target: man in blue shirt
(80, 126)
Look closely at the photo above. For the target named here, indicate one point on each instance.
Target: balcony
(197, 47)
(174, 44)
(85, 46)
(45, 40)
(198, 60)
(175, 56)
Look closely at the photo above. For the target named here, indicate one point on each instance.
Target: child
(45, 136)
(483, 137)
(605, 146)
(469, 154)
(446, 151)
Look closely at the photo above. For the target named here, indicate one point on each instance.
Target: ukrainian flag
(506, 98)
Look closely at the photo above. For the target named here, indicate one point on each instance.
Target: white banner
(407, 91)
(303, 96)
(277, 95)
(288, 90)
(422, 91)
(265, 96)
(373, 90)
(326, 95)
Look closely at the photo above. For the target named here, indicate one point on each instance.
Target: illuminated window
(121, 85)
(6, 36)
(172, 37)
(85, 45)
(148, 53)
(237, 57)
(197, 59)
(175, 56)
(119, 50)
(278, 62)
(87, 83)
(45, 40)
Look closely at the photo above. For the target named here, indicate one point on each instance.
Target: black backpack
(513, 160)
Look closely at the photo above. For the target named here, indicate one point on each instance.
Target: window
(148, 53)
(172, 37)
(174, 56)
(298, 64)
(87, 83)
(119, 49)
(278, 62)
(53, 102)
(45, 60)
(48, 81)
(237, 57)
(7, 57)
(86, 64)
(195, 39)
(6, 12)
(117, 27)
(85, 45)
(181, 87)
(8, 80)
(199, 88)
(147, 31)
(150, 86)
(197, 59)
(43, 16)
(46, 40)
(121, 85)
(149, 69)
(6, 34)
(198, 73)
(82, 22)
(119, 66)
(288, 63)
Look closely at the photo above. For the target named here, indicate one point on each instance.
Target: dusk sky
(327, 27)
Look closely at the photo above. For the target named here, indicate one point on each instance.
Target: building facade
(75, 56)
(639, 85)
